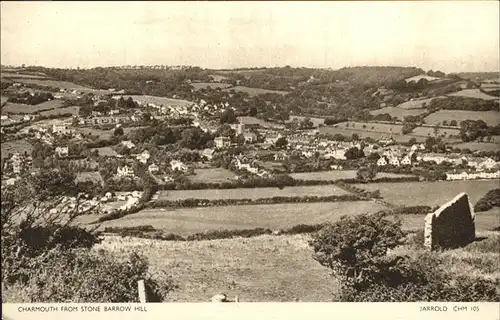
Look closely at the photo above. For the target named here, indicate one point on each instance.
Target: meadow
(430, 193)
(254, 91)
(156, 100)
(399, 113)
(106, 152)
(15, 146)
(274, 216)
(252, 193)
(479, 146)
(103, 134)
(73, 110)
(339, 174)
(264, 268)
(492, 118)
(26, 108)
(212, 175)
(362, 133)
(14, 75)
(56, 84)
(473, 93)
(416, 104)
(205, 85)
(316, 121)
(431, 132)
(93, 176)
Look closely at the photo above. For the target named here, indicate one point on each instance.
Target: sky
(451, 36)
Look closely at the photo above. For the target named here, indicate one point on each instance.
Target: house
(153, 168)
(144, 156)
(381, 162)
(457, 176)
(16, 163)
(114, 111)
(125, 171)
(250, 137)
(406, 161)
(178, 165)
(272, 138)
(59, 127)
(394, 162)
(222, 142)
(338, 154)
(129, 144)
(62, 151)
(208, 153)
(280, 156)
(168, 179)
(488, 164)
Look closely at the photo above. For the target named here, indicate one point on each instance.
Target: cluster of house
(241, 162)
(464, 175)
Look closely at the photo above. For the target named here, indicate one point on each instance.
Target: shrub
(490, 200)
(80, 276)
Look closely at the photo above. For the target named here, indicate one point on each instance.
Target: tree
(281, 142)
(453, 123)
(354, 153)
(118, 132)
(227, 116)
(366, 174)
(130, 104)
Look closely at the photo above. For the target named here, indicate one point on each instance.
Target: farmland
(93, 176)
(479, 146)
(430, 132)
(73, 110)
(205, 85)
(316, 121)
(399, 113)
(212, 175)
(430, 193)
(106, 152)
(20, 146)
(254, 91)
(264, 268)
(416, 104)
(274, 216)
(422, 76)
(364, 134)
(492, 118)
(473, 93)
(338, 174)
(156, 100)
(253, 120)
(14, 75)
(252, 193)
(55, 84)
(102, 134)
(26, 108)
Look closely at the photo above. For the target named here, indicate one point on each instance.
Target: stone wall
(451, 226)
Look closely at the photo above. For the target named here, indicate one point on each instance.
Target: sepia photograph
(232, 152)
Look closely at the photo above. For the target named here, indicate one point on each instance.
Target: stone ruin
(451, 226)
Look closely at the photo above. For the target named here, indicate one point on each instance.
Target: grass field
(26, 108)
(315, 121)
(430, 193)
(157, 100)
(430, 132)
(253, 120)
(103, 134)
(3, 100)
(265, 268)
(205, 85)
(473, 93)
(252, 193)
(492, 118)
(106, 152)
(212, 175)
(365, 134)
(274, 216)
(254, 91)
(479, 146)
(15, 75)
(339, 174)
(416, 104)
(55, 83)
(73, 110)
(15, 146)
(399, 113)
(93, 176)
(422, 76)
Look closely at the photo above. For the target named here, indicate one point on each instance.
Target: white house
(406, 161)
(272, 138)
(129, 144)
(457, 176)
(488, 164)
(250, 137)
(153, 168)
(143, 157)
(222, 142)
(59, 127)
(381, 162)
(178, 165)
(394, 162)
(62, 151)
(125, 171)
(338, 154)
(208, 153)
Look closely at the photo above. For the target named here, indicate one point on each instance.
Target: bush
(358, 250)
(81, 276)
(490, 200)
